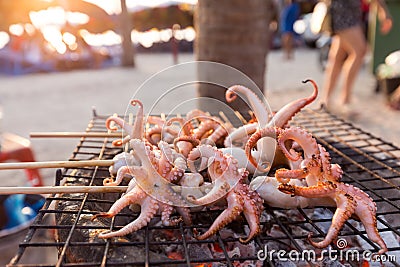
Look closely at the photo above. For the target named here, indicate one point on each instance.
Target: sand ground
(64, 101)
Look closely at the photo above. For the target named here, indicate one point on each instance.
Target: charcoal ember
(247, 263)
(116, 253)
(237, 249)
(279, 240)
(331, 263)
(287, 264)
(199, 251)
(218, 264)
(88, 230)
(206, 218)
(165, 235)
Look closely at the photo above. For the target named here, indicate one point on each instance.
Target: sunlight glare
(165, 35)
(51, 21)
(30, 29)
(179, 35)
(107, 38)
(299, 26)
(49, 47)
(114, 6)
(4, 39)
(77, 18)
(148, 38)
(145, 41)
(110, 6)
(50, 16)
(152, 3)
(69, 38)
(53, 35)
(190, 34)
(73, 46)
(61, 48)
(16, 29)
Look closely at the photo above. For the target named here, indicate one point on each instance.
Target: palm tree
(127, 59)
(235, 33)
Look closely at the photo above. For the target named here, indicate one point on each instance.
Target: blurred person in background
(348, 48)
(290, 13)
(175, 43)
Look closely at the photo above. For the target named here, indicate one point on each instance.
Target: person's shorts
(345, 14)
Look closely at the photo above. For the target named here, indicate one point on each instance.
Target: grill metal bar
(224, 250)
(321, 232)
(185, 245)
(64, 249)
(107, 248)
(147, 249)
(30, 233)
(359, 164)
(369, 163)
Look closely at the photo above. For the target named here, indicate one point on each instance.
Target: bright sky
(46, 20)
(113, 6)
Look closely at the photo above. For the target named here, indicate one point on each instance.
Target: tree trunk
(127, 59)
(235, 33)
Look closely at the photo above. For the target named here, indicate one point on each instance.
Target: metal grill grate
(369, 163)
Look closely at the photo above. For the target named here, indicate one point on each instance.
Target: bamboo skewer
(64, 164)
(74, 134)
(55, 164)
(243, 120)
(62, 189)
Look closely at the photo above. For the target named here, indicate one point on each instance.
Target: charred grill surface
(369, 163)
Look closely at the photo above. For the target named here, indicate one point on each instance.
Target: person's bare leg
(287, 43)
(355, 45)
(290, 46)
(335, 60)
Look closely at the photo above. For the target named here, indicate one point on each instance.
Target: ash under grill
(368, 162)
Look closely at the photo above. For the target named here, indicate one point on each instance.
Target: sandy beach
(64, 101)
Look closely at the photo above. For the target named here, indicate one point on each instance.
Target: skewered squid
(323, 181)
(150, 190)
(228, 183)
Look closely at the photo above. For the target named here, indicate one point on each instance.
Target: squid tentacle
(345, 208)
(235, 207)
(288, 111)
(138, 127)
(259, 108)
(217, 192)
(271, 132)
(124, 170)
(301, 137)
(166, 213)
(253, 205)
(149, 208)
(186, 126)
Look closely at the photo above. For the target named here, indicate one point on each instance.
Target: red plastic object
(17, 148)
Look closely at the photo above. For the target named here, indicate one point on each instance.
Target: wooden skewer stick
(62, 189)
(55, 164)
(243, 120)
(227, 122)
(74, 134)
